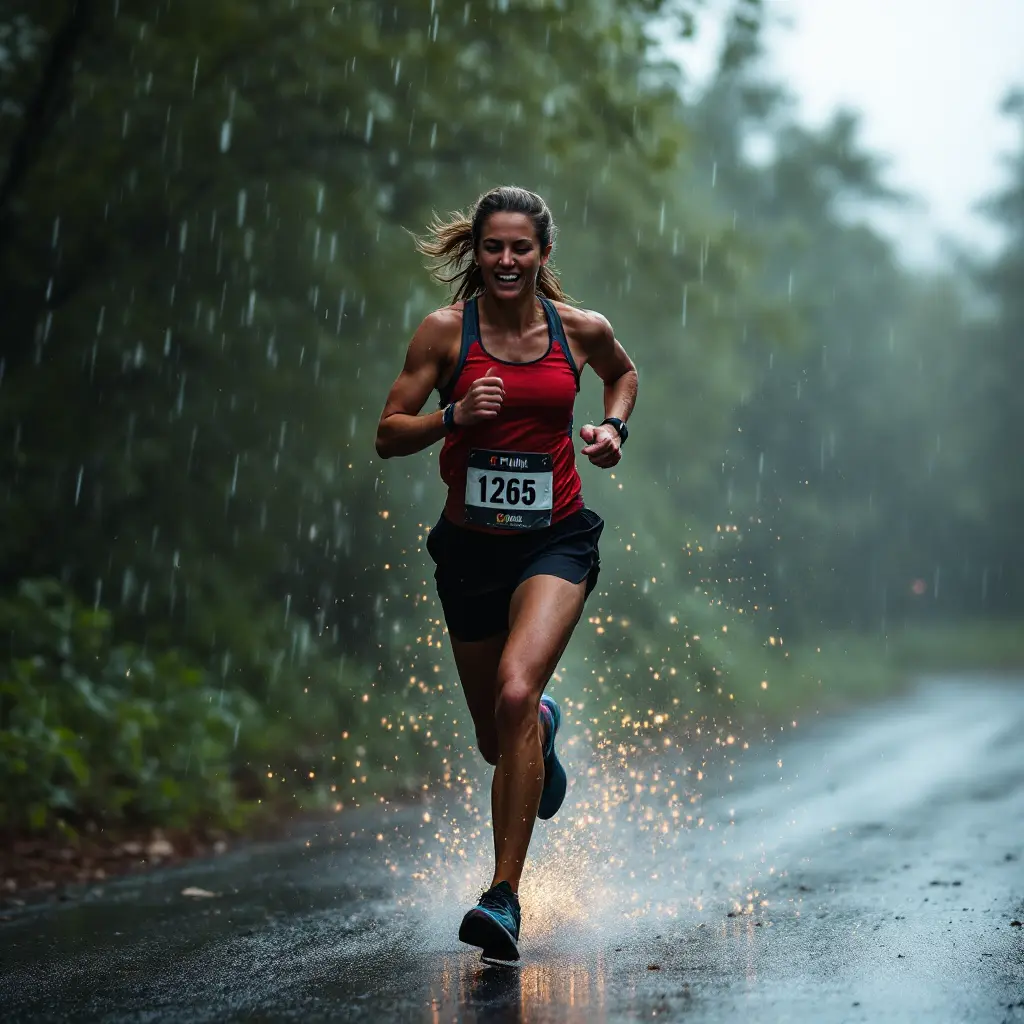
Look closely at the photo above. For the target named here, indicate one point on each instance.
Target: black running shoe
(493, 924)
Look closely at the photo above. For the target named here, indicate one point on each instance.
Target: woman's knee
(517, 705)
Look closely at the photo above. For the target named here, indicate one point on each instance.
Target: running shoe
(493, 924)
(555, 783)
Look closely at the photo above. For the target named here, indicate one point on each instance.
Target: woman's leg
(543, 614)
(477, 662)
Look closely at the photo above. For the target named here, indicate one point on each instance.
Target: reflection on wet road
(862, 870)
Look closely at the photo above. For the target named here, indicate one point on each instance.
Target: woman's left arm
(610, 362)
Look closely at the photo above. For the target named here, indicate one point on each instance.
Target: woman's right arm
(402, 431)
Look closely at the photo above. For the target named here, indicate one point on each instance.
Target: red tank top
(516, 472)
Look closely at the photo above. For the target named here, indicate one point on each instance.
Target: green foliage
(91, 729)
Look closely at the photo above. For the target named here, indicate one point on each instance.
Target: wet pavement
(865, 869)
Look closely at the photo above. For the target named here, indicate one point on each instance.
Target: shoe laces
(496, 899)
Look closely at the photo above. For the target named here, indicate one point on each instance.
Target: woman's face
(509, 254)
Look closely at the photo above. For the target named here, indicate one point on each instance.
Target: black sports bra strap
(470, 333)
(558, 333)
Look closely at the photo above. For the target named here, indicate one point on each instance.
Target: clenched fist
(602, 445)
(482, 401)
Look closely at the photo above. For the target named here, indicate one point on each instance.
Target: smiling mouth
(507, 278)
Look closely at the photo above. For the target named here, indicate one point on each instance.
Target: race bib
(509, 490)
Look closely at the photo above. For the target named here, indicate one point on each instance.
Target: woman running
(516, 550)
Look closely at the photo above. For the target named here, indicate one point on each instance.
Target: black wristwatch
(448, 417)
(621, 427)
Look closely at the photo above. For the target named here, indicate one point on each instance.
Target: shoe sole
(556, 784)
(480, 929)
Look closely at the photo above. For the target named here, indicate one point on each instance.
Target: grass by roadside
(846, 670)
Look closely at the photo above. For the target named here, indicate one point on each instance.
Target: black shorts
(478, 572)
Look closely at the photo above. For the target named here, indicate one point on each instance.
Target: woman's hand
(481, 402)
(603, 446)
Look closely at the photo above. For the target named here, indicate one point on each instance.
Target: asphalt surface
(865, 869)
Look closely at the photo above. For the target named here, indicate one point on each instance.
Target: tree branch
(41, 113)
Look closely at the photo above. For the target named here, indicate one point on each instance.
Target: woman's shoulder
(583, 325)
(444, 320)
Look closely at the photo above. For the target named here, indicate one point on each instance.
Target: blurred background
(804, 219)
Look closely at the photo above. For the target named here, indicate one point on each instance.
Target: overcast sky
(928, 76)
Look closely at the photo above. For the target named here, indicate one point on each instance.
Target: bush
(92, 729)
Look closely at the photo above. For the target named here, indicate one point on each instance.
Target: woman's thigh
(542, 617)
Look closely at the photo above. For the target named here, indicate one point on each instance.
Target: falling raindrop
(127, 584)
(78, 483)
(225, 136)
(179, 404)
(191, 449)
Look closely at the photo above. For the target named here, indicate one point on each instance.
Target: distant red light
(919, 587)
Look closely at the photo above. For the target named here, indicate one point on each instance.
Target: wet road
(867, 869)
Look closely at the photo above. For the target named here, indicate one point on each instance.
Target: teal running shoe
(493, 924)
(555, 782)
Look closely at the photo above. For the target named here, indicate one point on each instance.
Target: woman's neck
(513, 316)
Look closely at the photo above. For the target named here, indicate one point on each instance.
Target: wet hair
(451, 244)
